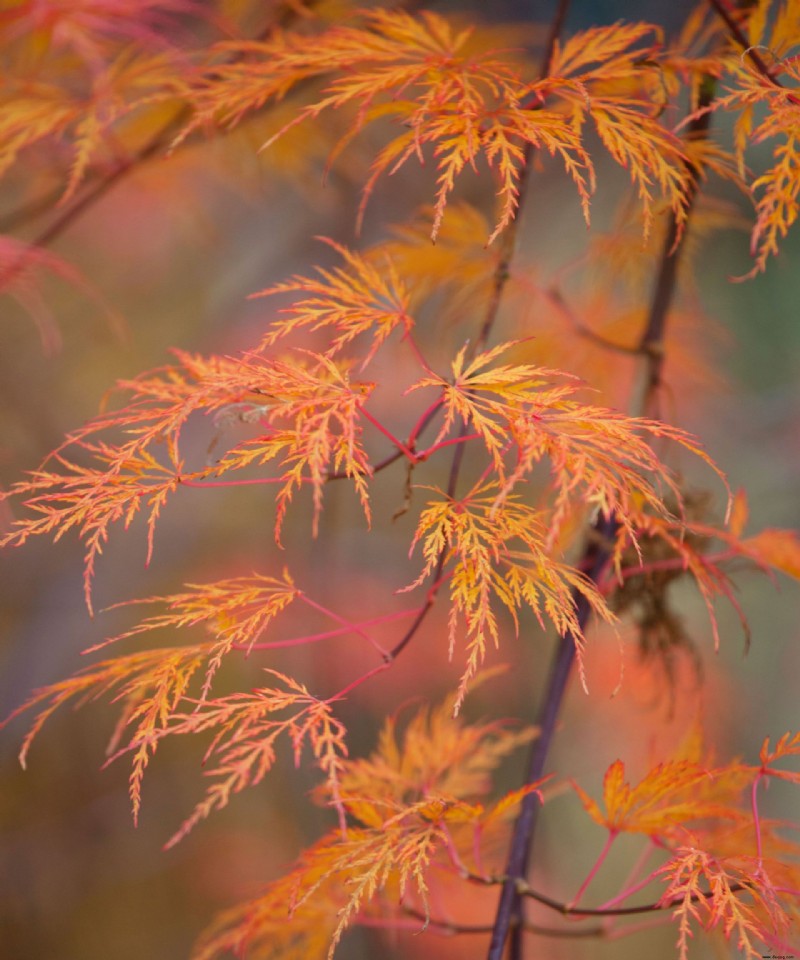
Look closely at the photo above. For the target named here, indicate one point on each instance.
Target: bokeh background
(173, 253)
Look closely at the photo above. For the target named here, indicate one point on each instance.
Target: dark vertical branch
(509, 920)
(509, 910)
(651, 344)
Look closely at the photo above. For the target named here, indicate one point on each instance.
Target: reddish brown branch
(737, 34)
(449, 927)
(567, 910)
(509, 920)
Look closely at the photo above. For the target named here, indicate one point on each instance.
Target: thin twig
(501, 277)
(450, 927)
(568, 910)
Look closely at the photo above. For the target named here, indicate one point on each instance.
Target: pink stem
(673, 563)
(629, 891)
(756, 820)
(408, 336)
(387, 433)
(349, 625)
(423, 421)
(425, 454)
(391, 924)
(357, 683)
(612, 836)
(452, 853)
(477, 850)
(313, 637)
(234, 483)
(616, 933)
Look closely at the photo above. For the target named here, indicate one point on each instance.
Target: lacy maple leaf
(308, 409)
(466, 103)
(409, 805)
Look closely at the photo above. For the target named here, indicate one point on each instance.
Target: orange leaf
(739, 514)
(787, 746)
(776, 548)
(658, 803)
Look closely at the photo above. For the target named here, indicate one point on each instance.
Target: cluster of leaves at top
(417, 805)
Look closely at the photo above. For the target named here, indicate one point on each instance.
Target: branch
(62, 222)
(449, 927)
(568, 910)
(651, 344)
(581, 329)
(736, 32)
(509, 917)
(501, 277)
(509, 911)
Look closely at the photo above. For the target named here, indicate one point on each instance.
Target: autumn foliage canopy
(519, 417)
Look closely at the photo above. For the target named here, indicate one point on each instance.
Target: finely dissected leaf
(79, 78)
(236, 611)
(268, 927)
(307, 407)
(22, 269)
(491, 398)
(733, 893)
(776, 192)
(685, 545)
(608, 74)
(417, 71)
(497, 547)
(406, 798)
(321, 406)
(458, 264)
(150, 685)
(727, 868)
(439, 754)
(787, 746)
(91, 499)
(417, 806)
(43, 112)
(306, 912)
(468, 105)
(362, 297)
(246, 727)
(599, 455)
(93, 31)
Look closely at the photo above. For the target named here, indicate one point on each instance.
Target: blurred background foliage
(172, 253)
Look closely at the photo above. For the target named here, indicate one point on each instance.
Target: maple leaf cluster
(508, 459)
(726, 867)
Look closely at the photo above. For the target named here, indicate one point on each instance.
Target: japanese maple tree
(505, 426)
